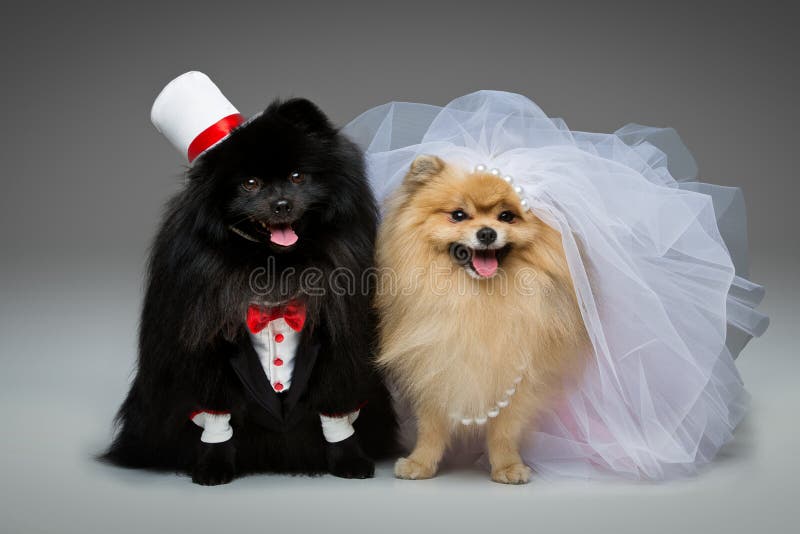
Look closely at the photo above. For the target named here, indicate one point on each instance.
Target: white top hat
(194, 114)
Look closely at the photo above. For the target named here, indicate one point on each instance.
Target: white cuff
(216, 426)
(336, 429)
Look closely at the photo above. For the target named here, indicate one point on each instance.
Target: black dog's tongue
(485, 262)
(282, 234)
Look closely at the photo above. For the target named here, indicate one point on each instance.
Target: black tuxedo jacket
(277, 413)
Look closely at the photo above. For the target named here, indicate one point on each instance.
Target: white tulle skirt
(659, 262)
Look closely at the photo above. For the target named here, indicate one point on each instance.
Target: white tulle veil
(659, 262)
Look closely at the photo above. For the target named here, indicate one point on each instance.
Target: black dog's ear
(422, 169)
(305, 113)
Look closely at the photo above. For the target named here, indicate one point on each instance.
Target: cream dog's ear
(423, 168)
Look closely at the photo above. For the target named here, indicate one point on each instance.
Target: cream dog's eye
(458, 216)
(507, 217)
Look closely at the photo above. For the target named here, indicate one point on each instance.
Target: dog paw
(213, 474)
(215, 464)
(411, 470)
(512, 474)
(347, 460)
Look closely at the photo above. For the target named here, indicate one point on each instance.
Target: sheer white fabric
(659, 264)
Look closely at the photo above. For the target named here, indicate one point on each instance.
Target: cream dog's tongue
(282, 235)
(484, 262)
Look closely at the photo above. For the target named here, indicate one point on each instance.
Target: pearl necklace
(494, 411)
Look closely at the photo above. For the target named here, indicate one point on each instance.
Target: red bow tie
(294, 313)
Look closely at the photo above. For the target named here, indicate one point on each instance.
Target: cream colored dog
(480, 326)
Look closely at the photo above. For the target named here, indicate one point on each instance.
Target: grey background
(85, 175)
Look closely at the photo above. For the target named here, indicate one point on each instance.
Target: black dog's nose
(282, 207)
(486, 235)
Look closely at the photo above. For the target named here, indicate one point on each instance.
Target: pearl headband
(508, 179)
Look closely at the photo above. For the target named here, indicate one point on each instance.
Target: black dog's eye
(251, 184)
(507, 217)
(297, 177)
(458, 216)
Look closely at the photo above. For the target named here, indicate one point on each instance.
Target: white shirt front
(276, 346)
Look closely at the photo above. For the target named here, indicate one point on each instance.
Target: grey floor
(73, 338)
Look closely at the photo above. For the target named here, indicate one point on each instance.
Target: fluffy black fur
(200, 282)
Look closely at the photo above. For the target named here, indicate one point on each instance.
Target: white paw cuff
(216, 426)
(336, 429)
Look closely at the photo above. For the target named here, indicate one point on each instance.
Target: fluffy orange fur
(454, 342)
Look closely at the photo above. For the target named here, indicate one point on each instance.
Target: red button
(278, 386)
(277, 361)
(278, 337)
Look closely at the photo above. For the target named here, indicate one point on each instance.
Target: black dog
(280, 211)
